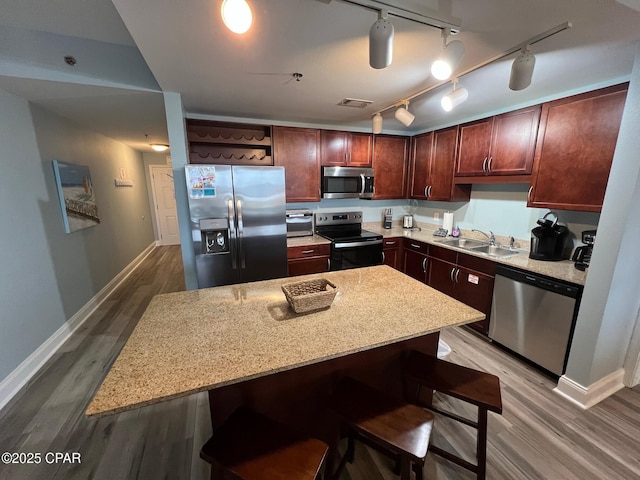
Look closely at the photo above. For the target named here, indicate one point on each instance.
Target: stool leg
(350, 454)
(482, 443)
(405, 468)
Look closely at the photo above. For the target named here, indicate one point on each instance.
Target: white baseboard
(587, 397)
(17, 379)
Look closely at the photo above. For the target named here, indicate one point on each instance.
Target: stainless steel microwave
(347, 182)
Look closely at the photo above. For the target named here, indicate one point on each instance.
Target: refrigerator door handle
(232, 235)
(240, 233)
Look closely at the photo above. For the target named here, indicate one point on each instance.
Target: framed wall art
(76, 195)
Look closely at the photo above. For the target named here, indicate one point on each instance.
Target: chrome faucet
(491, 238)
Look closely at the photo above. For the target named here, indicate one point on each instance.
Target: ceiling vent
(355, 102)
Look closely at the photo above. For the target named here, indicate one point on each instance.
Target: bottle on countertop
(456, 231)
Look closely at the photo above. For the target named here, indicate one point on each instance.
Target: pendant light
(377, 123)
(455, 98)
(237, 15)
(381, 42)
(522, 70)
(403, 115)
(449, 57)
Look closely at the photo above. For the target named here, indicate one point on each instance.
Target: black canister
(548, 239)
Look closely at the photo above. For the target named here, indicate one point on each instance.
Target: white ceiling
(130, 51)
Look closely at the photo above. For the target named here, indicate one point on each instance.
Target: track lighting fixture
(237, 15)
(377, 123)
(455, 98)
(449, 57)
(403, 115)
(381, 42)
(522, 69)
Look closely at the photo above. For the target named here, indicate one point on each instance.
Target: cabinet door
(513, 142)
(390, 154)
(334, 147)
(391, 252)
(420, 160)
(415, 265)
(442, 166)
(297, 150)
(361, 147)
(574, 150)
(473, 153)
(309, 265)
(476, 290)
(441, 276)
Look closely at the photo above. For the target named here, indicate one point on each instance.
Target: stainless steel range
(351, 247)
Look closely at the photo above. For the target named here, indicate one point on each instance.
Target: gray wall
(48, 275)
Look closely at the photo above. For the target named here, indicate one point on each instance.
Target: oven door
(346, 255)
(347, 182)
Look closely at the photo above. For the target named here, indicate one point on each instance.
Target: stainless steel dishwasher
(534, 316)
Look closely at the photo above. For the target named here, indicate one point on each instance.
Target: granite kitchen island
(244, 345)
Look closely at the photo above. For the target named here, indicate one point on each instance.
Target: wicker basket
(310, 295)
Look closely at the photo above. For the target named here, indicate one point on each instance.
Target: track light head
(237, 15)
(449, 57)
(404, 116)
(381, 42)
(522, 70)
(377, 123)
(455, 98)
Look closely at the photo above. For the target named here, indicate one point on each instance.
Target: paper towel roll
(447, 222)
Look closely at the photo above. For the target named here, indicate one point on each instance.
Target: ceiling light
(377, 123)
(449, 57)
(455, 98)
(522, 70)
(236, 15)
(381, 42)
(159, 147)
(404, 116)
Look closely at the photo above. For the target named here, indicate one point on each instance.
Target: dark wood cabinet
(298, 151)
(464, 277)
(415, 260)
(391, 248)
(433, 157)
(221, 143)
(344, 149)
(574, 151)
(500, 146)
(390, 163)
(308, 259)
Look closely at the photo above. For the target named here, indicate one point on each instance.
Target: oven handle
(357, 244)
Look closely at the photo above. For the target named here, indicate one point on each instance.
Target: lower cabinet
(391, 249)
(414, 259)
(464, 277)
(308, 259)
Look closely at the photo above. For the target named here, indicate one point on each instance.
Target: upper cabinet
(499, 146)
(575, 148)
(433, 157)
(345, 149)
(220, 143)
(298, 151)
(390, 165)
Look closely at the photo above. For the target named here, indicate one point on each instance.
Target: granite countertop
(193, 341)
(308, 240)
(562, 270)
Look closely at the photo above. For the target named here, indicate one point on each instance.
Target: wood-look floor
(539, 435)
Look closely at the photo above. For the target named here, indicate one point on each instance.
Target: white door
(164, 200)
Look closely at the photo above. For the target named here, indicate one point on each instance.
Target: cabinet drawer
(309, 251)
(482, 265)
(416, 246)
(443, 254)
(390, 243)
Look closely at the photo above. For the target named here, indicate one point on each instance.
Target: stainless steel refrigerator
(237, 223)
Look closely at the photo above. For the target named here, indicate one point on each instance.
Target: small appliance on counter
(407, 221)
(582, 254)
(388, 219)
(548, 239)
(299, 223)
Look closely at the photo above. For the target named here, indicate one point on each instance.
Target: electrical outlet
(436, 216)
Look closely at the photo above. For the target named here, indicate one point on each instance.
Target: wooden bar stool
(469, 385)
(249, 446)
(398, 429)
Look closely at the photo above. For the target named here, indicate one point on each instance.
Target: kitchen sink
(463, 242)
(494, 250)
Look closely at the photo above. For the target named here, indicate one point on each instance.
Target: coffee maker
(548, 239)
(582, 254)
